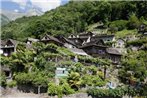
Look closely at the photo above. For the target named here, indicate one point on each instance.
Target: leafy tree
(104, 11)
(22, 60)
(2, 79)
(52, 89)
(33, 78)
(74, 80)
(66, 89)
(77, 67)
(134, 66)
(119, 24)
(12, 84)
(59, 90)
(133, 22)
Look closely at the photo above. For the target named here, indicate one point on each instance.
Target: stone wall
(78, 95)
(33, 89)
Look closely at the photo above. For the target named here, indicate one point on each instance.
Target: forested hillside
(75, 17)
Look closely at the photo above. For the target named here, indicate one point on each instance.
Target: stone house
(31, 40)
(119, 43)
(98, 49)
(80, 38)
(8, 46)
(83, 38)
(142, 29)
(68, 43)
(114, 55)
(104, 37)
(50, 39)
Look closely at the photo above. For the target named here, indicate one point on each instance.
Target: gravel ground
(21, 95)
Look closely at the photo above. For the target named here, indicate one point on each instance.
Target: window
(110, 58)
(45, 37)
(100, 51)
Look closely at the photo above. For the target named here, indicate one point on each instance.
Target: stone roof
(32, 39)
(72, 36)
(121, 39)
(50, 38)
(93, 43)
(102, 36)
(113, 51)
(78, 51)
(85, 33)
(69, 41)
(15, 42)
(4, 42)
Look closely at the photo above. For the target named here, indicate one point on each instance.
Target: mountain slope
(73, 17)
(12, 15)
(4, 20)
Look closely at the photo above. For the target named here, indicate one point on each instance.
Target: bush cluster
(117, 92)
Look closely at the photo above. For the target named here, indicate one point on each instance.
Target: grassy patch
(92, 26)
(123, 33)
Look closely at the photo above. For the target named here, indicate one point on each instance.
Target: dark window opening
(7, 73)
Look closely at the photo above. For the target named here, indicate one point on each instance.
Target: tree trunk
(105, 70)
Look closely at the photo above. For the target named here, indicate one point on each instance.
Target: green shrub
(12, 84)
(52, 89)
(133, 22)
(59, 90)
(67, 89)
(93, 80)
(32, 78)
(51, 47)
(101, 93)
(2, 79)
(119, 24)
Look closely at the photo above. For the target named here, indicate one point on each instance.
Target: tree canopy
(74, 17)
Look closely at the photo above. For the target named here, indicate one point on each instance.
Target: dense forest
(76, 16)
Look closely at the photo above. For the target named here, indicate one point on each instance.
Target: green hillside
(75, 17)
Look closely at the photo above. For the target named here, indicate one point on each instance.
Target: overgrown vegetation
(2, 79)
(117, 92)
(37, 66)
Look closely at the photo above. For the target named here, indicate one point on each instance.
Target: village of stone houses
(103, 59)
